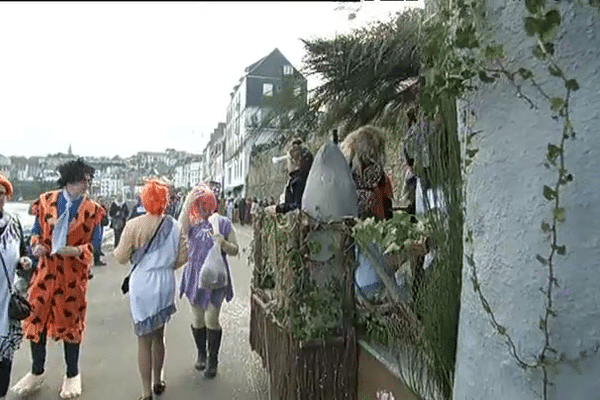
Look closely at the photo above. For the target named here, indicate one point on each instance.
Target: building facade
(247, 113)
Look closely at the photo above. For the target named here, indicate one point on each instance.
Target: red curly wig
(155, 197)
(7, 185)
(204, 204)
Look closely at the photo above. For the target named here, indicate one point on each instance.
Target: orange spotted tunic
(59, 284)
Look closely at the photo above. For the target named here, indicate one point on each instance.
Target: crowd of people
(242, 210)
(159, 234)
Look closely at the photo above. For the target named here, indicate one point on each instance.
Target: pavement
(108, 359)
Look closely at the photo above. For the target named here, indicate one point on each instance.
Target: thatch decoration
(303, 305)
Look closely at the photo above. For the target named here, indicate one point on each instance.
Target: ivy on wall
(460, 58)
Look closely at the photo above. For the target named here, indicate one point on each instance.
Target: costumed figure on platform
(364, 149)
(299, 159)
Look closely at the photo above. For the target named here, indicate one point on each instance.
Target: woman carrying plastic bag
(206, 279)
(213, 274)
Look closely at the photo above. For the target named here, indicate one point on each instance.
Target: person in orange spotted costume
(67, 225)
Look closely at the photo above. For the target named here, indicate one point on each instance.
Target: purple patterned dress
(200, 241)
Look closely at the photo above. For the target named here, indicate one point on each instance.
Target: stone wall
(266, 179)
(505, 207)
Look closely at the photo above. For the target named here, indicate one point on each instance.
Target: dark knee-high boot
(214, 342)
(200, 339)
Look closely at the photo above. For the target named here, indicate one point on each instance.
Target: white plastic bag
(213, 274)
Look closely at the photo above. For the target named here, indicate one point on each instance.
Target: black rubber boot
(200, 339)
(214, 342)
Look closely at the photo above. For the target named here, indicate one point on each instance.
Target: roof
(251, 67)
(151, 153)
(4, 161)
(257, 64)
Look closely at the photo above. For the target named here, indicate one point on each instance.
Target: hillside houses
(224, 159)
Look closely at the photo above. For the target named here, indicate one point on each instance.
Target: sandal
(159, 388)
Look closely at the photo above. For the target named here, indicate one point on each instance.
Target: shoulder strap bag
(18, 307)
(125, 284)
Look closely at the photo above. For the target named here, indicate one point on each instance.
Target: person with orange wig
(152, 242)
(14, 261)
(199, 221)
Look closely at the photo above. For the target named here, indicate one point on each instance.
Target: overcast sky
(117, 77)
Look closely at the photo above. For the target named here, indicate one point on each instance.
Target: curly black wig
(74, 171)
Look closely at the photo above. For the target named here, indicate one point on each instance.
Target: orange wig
(7, 185)
(155, 197)
(204, 204)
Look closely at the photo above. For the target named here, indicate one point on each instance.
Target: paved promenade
(108, 362)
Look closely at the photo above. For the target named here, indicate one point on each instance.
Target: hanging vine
(456, 59)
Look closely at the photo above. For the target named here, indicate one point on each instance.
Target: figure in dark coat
(299, 162)
(118, 217)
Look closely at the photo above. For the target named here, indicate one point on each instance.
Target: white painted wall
(505, 206)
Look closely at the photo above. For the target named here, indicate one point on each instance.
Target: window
(297, 91)
(253, 118)
(267, 89)
(288, 70)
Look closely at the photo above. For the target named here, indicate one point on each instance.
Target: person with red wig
(14, 260)
(154, 244)
(197, 218)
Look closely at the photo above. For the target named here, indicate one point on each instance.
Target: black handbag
(125, 284)
(18, 306)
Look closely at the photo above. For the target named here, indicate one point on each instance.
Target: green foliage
(572, 84)
(466, 38)
(452, 54)
(549, 194)
(319, 311)
(361, 70)
(439, 300)
(448, 51)
(525, 73)
(375, 327)
(389, 234)
(451, 63)
(310, 310)
(534, 6)
(556, 104)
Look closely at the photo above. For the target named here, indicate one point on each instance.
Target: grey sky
(116, 78)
